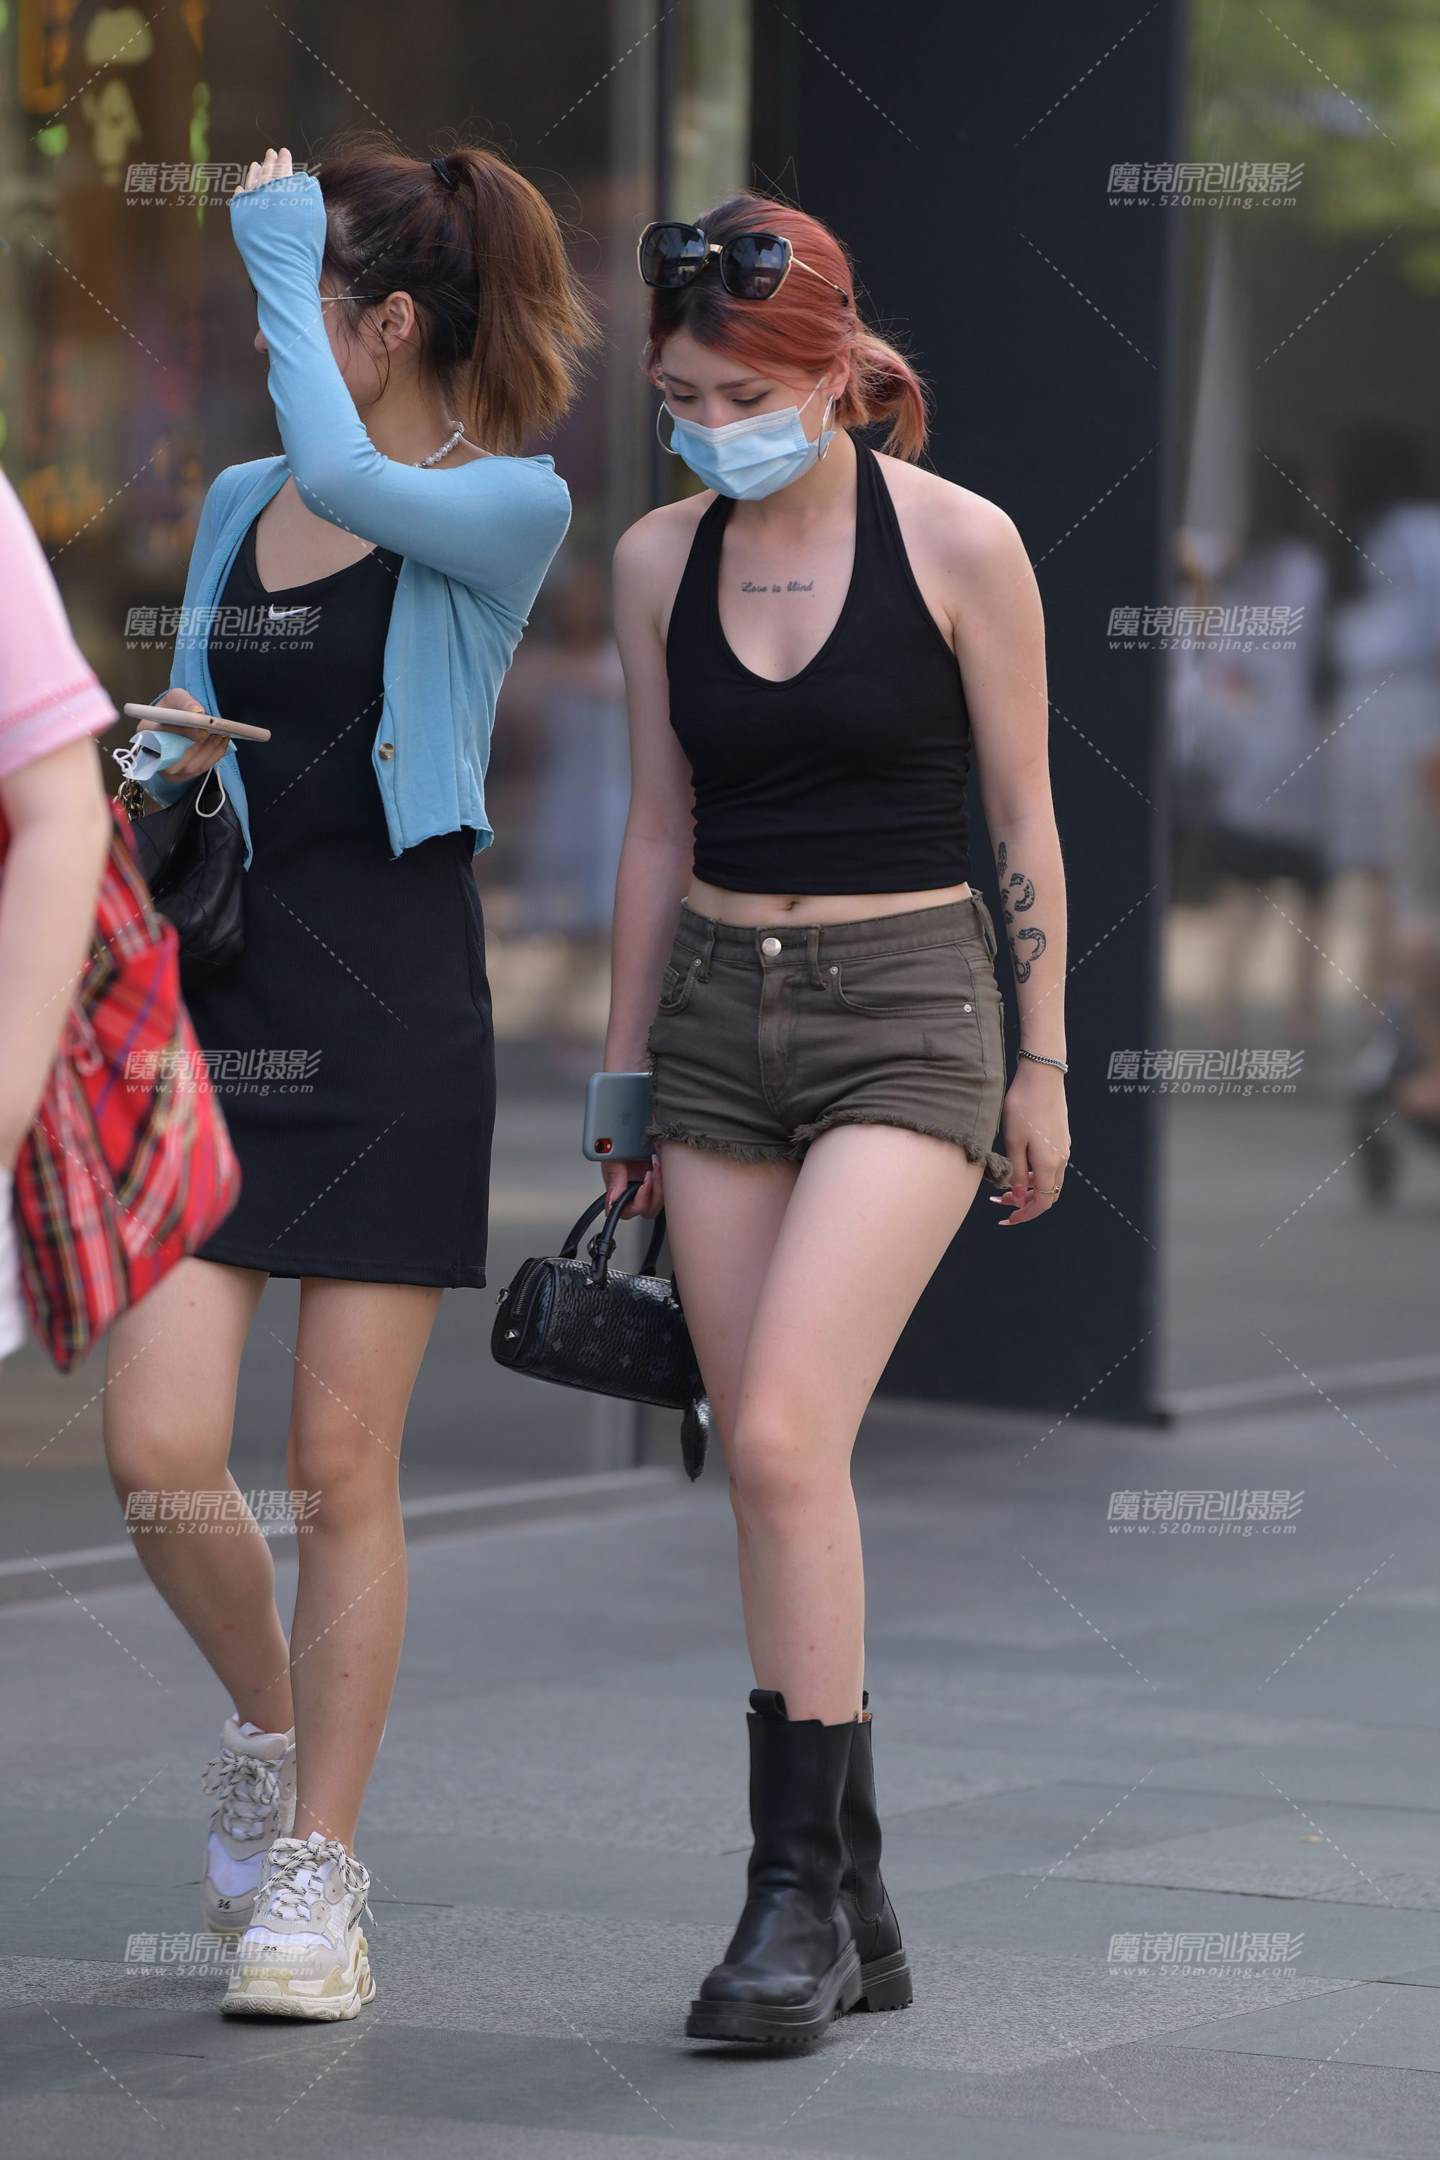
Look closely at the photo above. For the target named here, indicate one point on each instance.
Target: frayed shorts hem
(998, 1168)
(736, 1150)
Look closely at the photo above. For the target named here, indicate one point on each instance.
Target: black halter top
(848, 776)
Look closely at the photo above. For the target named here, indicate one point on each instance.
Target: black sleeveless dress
(351, 1042)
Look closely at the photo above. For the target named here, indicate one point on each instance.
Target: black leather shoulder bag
(193, 860)
(583, 1324)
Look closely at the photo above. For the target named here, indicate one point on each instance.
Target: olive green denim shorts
(764, 1037)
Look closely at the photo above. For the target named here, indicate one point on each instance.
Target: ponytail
(504, 321)
(884, 386)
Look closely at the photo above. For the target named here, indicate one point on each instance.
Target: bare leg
(724, 1218)
(357, 1356)
(871, 1214)
(171, 1369)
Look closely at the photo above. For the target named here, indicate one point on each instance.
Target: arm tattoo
(1017, 897)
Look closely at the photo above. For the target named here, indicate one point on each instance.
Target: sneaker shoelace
(293, 1879)
(246, 1788)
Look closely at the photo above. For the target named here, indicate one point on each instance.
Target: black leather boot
(792, 1964)
(885, 1982)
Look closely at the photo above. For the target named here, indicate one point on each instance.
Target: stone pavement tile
(1077, 1919)
(73, 2124)
(1352, 1762)
(1256, 2102)
(1356, 1855)
(356, 2090)
(932, 2134)
(86, 1846)
(1042, 1824)
(72, 1917)
(628, 1982)
(1306, 1656)
(1388, 2027)
(1227, 2151)
(768, 2108)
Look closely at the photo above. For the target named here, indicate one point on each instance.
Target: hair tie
(445, 173)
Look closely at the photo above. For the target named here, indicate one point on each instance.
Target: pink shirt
(49, 694)
(48, 697)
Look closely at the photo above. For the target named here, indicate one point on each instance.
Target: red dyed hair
(802, 329)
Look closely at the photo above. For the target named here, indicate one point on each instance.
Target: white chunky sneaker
(303, 1954)
(252, 1781)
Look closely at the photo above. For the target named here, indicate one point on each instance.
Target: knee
(172, 1458)
(777, 1472)
(342, 1467)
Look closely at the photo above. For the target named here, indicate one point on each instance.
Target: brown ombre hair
(504, 321)
(804, 328)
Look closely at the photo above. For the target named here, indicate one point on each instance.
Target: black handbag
(193, 860)
(584, 1324)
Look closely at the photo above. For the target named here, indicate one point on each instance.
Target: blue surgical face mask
(150, 751)
(752, 457)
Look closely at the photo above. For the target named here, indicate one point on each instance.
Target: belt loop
(709, 947)
(812, 949)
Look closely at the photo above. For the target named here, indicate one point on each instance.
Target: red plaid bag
(128, 1166)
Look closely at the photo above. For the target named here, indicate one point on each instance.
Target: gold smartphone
(175, 716)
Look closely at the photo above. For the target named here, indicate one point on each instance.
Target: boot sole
(776, 2024)
(885, 1984)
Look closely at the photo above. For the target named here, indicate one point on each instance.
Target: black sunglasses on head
(752, 266)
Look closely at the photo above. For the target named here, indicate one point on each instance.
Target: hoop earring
(824, 424)
(662, 409)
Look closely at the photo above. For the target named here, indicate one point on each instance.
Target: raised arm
(492, 524)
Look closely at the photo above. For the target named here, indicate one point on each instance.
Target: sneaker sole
(272, 1999)
(776, 2025)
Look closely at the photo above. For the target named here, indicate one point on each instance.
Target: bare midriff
(755, 908)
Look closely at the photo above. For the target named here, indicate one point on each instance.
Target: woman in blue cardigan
(360, 596)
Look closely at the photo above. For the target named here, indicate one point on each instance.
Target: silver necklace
(445, 448)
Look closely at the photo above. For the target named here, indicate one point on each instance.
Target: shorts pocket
(893, 986)
(676, 984)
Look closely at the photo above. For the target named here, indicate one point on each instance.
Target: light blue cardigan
(477, 540)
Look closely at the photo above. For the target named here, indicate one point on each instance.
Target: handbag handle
(602, 1245)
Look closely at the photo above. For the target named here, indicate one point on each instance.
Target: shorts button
(770, 946)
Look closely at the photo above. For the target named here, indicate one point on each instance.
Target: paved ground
(1083, 1734)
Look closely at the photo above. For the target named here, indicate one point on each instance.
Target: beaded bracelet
(1035, 1057)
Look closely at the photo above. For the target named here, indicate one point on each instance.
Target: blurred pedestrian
(812, 648)
(1385, 658)
(1247, 726)
(420, 320)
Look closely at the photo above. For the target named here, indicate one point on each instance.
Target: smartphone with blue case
(617, 1111)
